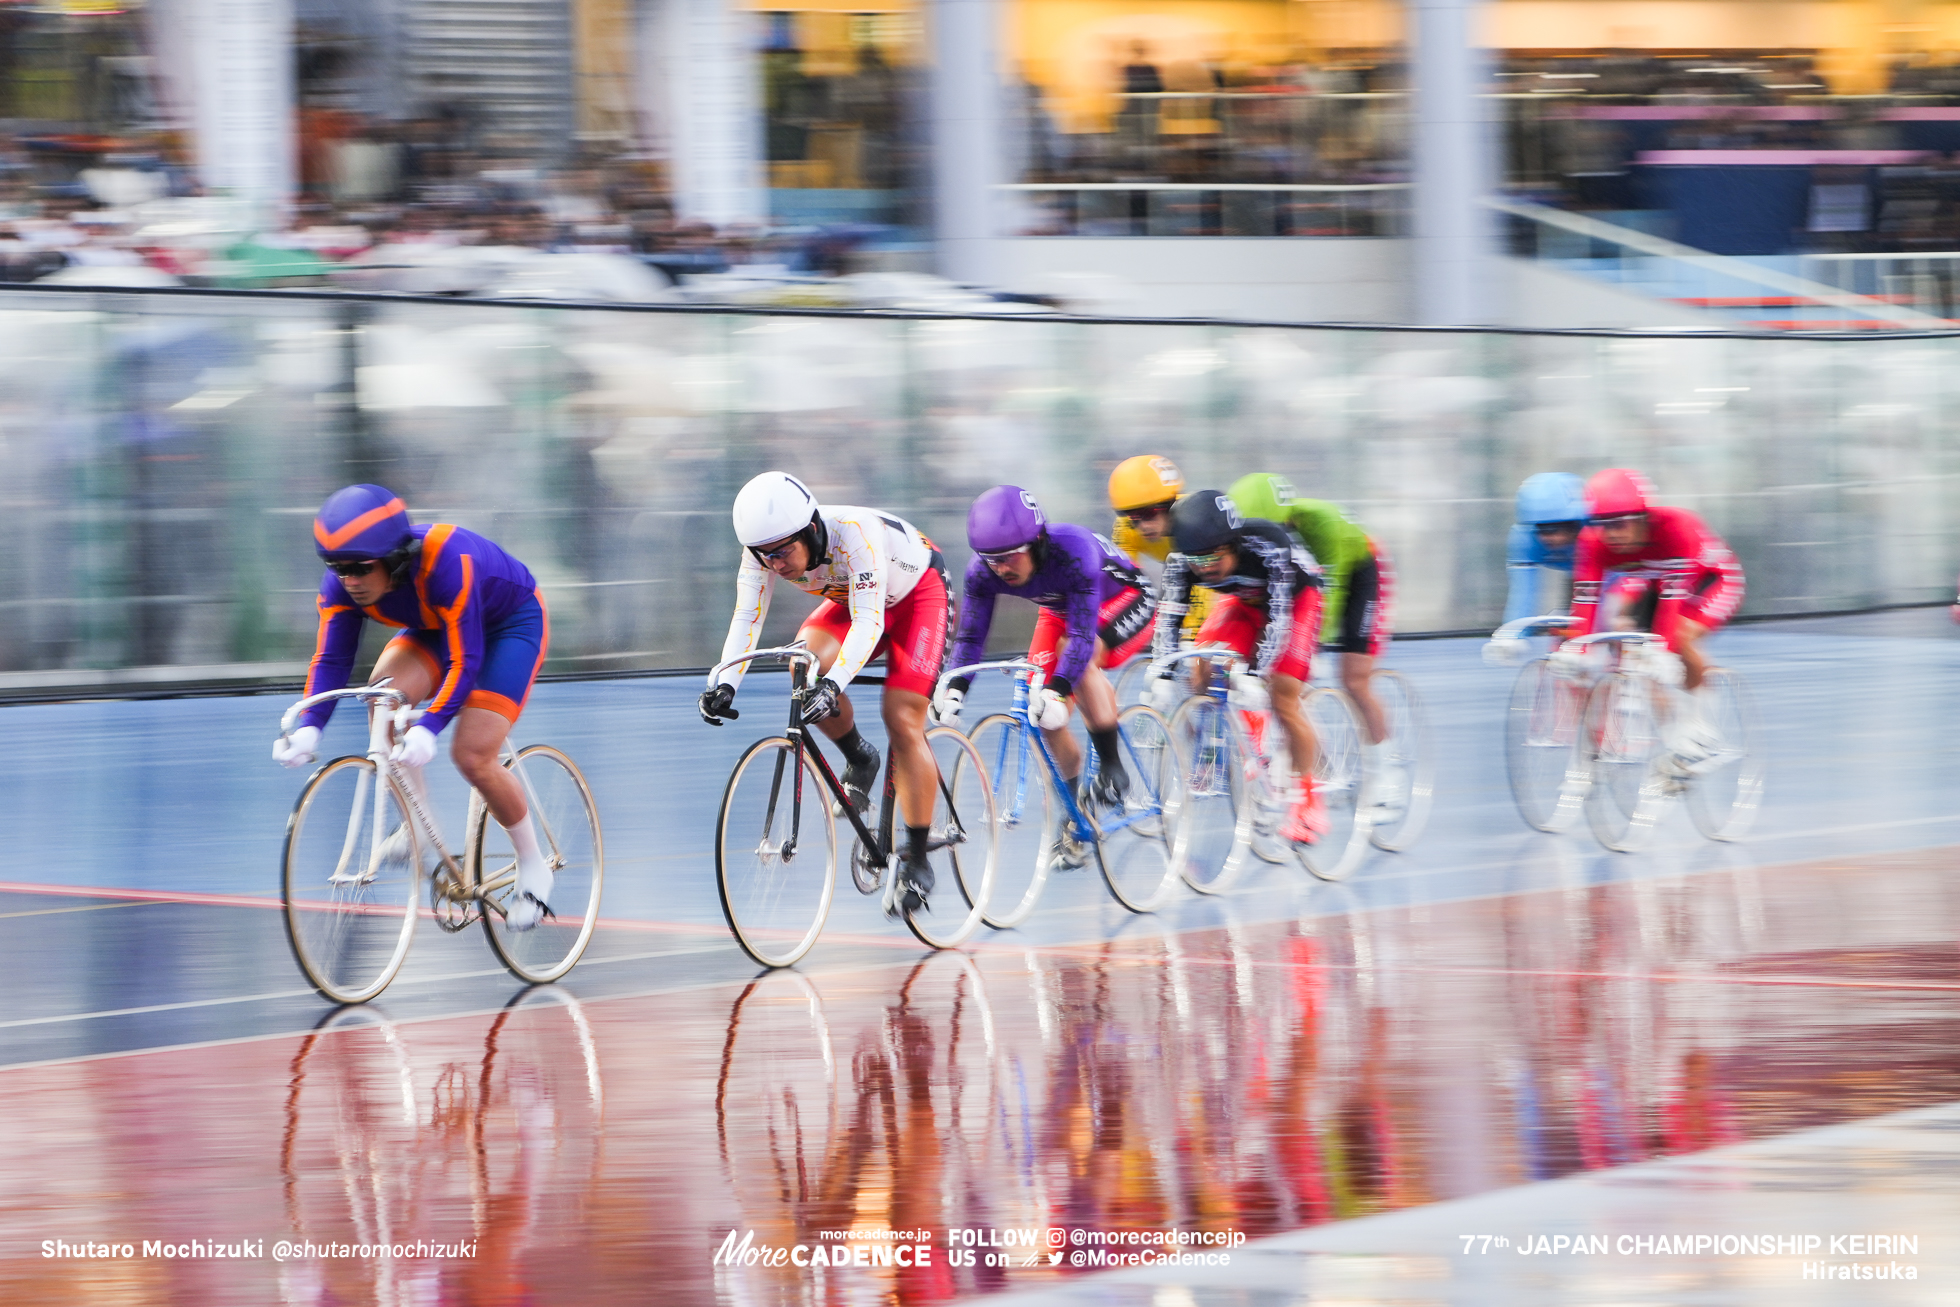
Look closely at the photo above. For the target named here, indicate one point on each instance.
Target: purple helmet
(359, 522)
(1002, 520)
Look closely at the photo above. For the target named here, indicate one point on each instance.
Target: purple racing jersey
(464, 586)
(1076, 570)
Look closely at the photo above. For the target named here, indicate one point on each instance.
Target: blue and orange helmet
(362, 522)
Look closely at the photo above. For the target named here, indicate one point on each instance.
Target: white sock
(533, 877)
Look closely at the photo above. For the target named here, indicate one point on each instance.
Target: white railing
(1669, 270)
(1928, 281)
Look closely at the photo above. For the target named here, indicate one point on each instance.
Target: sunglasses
(360, 568)
(1558, 528)
(1003, 556)
(1148, 513)
(1205, 562)
(1619, 519)
(776, 554)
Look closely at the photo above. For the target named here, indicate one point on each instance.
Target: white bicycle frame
(389, 707)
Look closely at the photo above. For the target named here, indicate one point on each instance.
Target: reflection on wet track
(1493, 1011)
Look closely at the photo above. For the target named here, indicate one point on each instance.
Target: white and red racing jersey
(1698, 575)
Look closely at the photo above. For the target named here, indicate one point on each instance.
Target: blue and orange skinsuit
(470, 611)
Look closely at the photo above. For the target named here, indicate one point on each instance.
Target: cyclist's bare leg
(1291, 710)
(476, 744)
(917, 773)
(1688, 635)
(1356, 671)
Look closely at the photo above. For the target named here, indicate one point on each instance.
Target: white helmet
(771, 507)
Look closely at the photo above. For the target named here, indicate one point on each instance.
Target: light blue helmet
(1552, 497)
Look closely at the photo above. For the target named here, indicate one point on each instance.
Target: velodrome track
(1380, 1066)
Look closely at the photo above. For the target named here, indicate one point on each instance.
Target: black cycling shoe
(1112, 784)
(915, 882)
(858, 777)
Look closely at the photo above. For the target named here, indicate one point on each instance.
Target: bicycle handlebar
(1530, 626)
(1616, 637)
(1161, 667)
(797, 653)
(379, 690)
(1008, 665)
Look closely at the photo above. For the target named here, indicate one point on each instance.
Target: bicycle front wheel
(1724, 798)
(350, 880)
(775, 857)
(567, 824)
(1133, 841)
(1339, 779)
(961, 842)
(1622, 741)
(1023, 814)
(1541, 735)
(1213, 821)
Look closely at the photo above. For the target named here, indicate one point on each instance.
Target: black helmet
(1204, 521)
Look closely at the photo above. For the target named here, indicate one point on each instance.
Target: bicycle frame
(803, 675)
(1021, 710)
(389, 707)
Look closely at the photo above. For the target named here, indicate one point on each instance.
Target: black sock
(1106, 749)
(856, 748)
(915, 840)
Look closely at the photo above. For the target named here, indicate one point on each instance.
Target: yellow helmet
(1145, 479)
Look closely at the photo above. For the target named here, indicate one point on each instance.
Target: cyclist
(1142, 490)
(1688, 584)
(1266, 608)
(884, 591)
(1551, 511)
(1096, 609)
(473, 633)
(1357, 603)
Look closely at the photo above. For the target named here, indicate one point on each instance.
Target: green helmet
(1264, 494)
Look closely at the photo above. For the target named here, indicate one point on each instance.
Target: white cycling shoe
(1694, 751)
(532, 902)
(1390, 795)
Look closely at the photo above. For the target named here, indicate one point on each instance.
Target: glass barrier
(164, 452)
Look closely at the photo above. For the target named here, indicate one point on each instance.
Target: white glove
(1161, 695)
(1506, 652)
(417, 748)
(1570, 662)
(297, 749)
(946, 708)
(1051, 710)
(1667, 667)
(1249, 692)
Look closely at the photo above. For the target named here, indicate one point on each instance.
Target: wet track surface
(1461, 1024)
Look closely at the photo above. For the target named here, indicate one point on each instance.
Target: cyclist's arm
(1081, 569)
(1521, 565)
(753, 585)
(1283, 580)
(451, 589)
(1171, 607)
(1338, 545)
(334, 648)
(1712, 584)
(976, 619)
(1588, 567)
(863, 563)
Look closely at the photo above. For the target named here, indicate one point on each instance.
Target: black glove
(821, 701)
(965, 683)
(719, 703)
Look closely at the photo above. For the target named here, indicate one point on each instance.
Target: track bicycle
(1614, 758)
(1043, 824)
(1238, 785)
(776, 854)
(1541, 729)
(352, 867)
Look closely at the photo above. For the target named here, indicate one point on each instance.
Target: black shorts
(1362, 613)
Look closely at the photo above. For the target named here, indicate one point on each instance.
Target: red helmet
(1616, 492)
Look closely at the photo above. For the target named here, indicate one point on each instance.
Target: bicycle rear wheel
(1541, 737)
(1622, 739)
(1023, 815)
(1723, 800)
(1213, 821)
(776, 871)
(567, 823)
(1407, 754)
(1338, 777)
(962, 844)
(1133, 842)
(350, 880)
